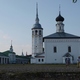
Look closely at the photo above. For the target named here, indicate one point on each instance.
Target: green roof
(2, 54)
(6, 53)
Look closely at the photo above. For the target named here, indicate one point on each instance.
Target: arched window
(55, 49)
(69, 48)
(42, 60)
(36, 32)
(38, 60)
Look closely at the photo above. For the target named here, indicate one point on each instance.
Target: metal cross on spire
(11, 42)
(59, 9)
(36, 9)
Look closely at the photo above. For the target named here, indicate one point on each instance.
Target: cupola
(60, 18)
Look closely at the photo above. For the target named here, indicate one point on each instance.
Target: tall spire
(60, 18)
(59, 9)
(11, 47)
(37, 19)
(26, 53)
(11, 42)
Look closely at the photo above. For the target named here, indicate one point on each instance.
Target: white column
(1, 60)
(63, 60)
(71, 60)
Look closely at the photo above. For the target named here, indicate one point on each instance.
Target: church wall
(62, 48)
(33, 60)
(40, 60)
(12, 58)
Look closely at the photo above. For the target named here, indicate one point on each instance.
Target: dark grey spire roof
(59, 18)
(37, 25)
(61, 35)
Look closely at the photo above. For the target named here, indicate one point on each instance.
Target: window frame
(55, 49)
(36, 32)
(69, 48)
(40, 32)
(38, 60)
(42, 60)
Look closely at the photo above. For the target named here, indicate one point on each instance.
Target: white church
(58, 46)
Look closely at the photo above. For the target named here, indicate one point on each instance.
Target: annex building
(58, 46)
(10, 57)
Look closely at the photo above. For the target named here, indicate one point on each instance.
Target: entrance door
(67, 60)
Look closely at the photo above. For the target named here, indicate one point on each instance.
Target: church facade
(58, 46)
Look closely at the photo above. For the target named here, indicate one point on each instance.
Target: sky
(17, 17)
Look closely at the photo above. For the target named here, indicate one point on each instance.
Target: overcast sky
(18, 16)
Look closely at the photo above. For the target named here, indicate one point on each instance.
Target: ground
(38, 68)
(39, 72)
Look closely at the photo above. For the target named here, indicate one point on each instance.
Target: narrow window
(38, 60)
(36, 32)
(42, 60)
(40, 32)
(60, 27)
(32, 32)
(69, 49)
(43, 49)
(55, 49)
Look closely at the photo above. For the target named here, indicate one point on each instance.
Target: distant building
(58, 46)
(10, 57)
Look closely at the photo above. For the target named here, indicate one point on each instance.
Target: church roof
(61, 35)
(67, 55)
(1, 54)
(37, 26)
(7, 52)
(59, 18)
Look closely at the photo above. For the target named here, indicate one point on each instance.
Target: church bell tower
(37, 36)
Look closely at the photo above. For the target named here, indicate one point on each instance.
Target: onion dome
(37, 25)
(59, 18)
